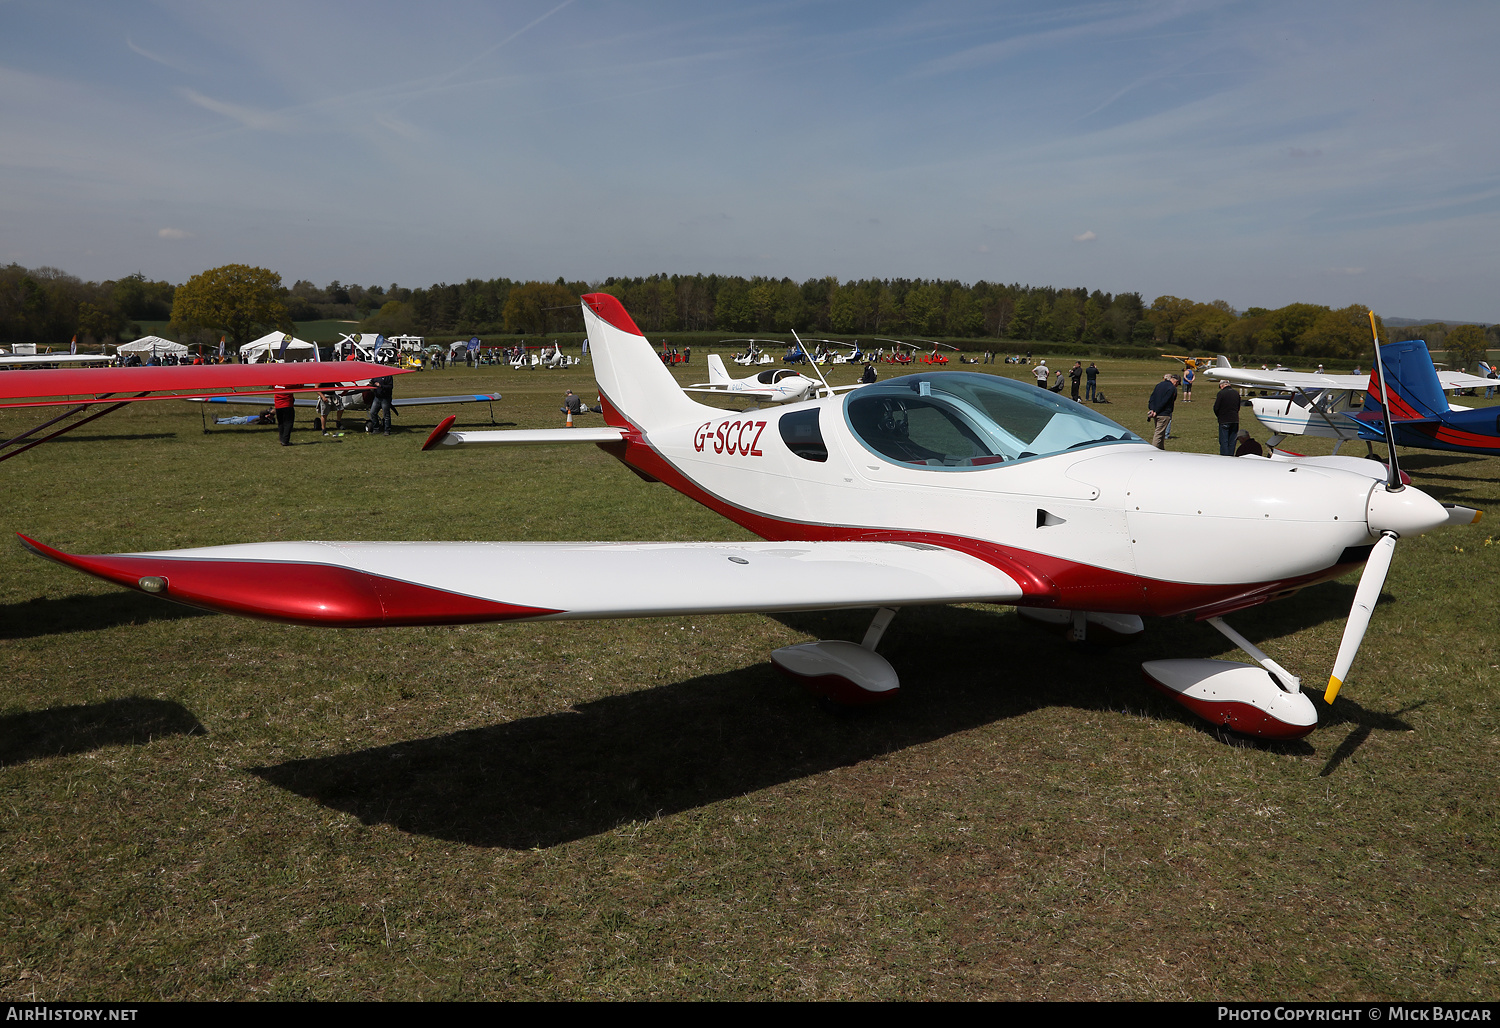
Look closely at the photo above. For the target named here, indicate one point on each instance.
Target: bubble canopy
(960, 420)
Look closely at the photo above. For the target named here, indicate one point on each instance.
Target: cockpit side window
(965, 420)
(803, 436)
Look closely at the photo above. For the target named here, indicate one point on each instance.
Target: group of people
(1077, 375)
(1233, 442)
(329, 419)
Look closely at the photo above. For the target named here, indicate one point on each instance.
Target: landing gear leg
(1265, 701)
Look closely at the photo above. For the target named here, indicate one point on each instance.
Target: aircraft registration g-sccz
(934, 488)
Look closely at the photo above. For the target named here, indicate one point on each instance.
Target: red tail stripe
(612, 311)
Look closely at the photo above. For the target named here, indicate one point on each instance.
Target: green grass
(206, 807)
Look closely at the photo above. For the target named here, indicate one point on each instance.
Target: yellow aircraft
(1193, 363)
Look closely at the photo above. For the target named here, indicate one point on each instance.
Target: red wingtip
(292, 592)
(439, 432)
(612, 311)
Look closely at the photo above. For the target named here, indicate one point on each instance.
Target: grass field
(206, 807)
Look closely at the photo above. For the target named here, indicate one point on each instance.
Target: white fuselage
(1121, 509)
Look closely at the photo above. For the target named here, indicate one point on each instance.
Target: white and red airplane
(934, 488)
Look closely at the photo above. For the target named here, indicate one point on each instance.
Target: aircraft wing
(365, 584)
(121, 385)
(409, 401)
(1287, 379)
(1452, 380)
(55, 358)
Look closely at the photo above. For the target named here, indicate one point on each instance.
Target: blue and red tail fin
(1416, 392)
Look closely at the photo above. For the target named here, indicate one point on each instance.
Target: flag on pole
(221, 348)
(73, 346)
(285, 342)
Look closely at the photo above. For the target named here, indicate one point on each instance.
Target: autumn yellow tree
(232, 299)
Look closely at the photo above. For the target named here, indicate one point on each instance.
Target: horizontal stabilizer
(530, 436)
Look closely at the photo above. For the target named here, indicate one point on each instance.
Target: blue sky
(1257, 152)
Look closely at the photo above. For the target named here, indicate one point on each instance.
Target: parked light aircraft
(777, 385)
(118, 386)
(937, 487)
(41, 360)
(1347, 407)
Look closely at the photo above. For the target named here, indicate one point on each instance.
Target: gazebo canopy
(268, 347)
(152, 344)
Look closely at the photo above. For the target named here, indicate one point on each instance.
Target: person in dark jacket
(381, 404)
(1159, 410)
(286, 414)
(1075, 377)
(1227, 410)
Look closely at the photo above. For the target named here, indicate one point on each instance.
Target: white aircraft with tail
(779, 385)
(934, 488)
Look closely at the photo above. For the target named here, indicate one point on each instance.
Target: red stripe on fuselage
(1046, 581)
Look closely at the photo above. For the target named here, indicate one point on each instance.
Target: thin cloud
(172, 233)
(1086, 237)
(265, 121)
(153, 57)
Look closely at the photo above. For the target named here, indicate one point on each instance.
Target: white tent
(268, 348)
(147, 345)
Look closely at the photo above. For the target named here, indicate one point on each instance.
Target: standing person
(286, 414)
(1075, 376)
(381, 404)
(1042, 373)
(1159, 410)
(687, 354)
(1187, 384)
(1092, 374)
(1227, 410)
(1489, 390)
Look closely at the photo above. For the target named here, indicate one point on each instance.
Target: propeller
(1387, 514)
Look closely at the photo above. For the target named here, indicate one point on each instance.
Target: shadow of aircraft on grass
(558, 777)
(87, 612)
(59, 731)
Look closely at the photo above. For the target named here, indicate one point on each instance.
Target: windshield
(962, 420)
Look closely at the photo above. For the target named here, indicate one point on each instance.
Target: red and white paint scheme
(937, 487)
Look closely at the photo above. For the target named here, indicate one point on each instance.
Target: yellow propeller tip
(1477, 515)
(1333, 689)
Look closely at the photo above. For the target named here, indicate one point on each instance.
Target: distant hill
(1409, 322)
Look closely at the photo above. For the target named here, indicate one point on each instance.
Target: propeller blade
(1370, 584)
(1393, 477)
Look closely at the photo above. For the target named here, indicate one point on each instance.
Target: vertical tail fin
(717, 375)
(631, 377)
(1412, 380)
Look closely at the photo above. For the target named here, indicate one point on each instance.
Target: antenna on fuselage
(827, 388)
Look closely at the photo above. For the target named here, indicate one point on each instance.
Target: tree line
(46, 305)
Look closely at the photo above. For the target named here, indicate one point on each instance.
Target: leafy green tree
(1467, 344)
(1341, 333)
(534, 308)
(232, 299)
